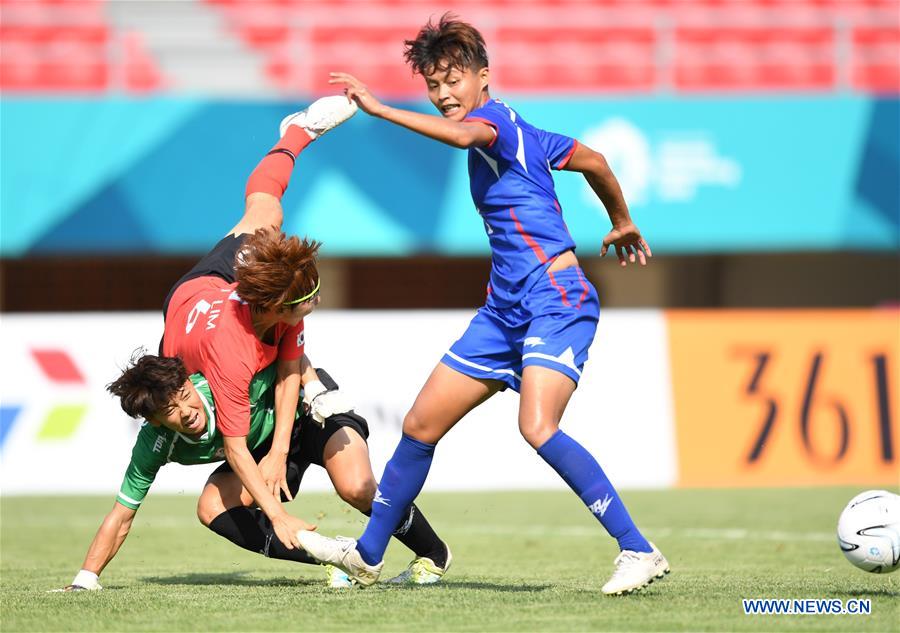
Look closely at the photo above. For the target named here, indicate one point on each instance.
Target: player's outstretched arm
(106, 543)
(460, 134)
(624, 236)
(241, 461)
(287, 393)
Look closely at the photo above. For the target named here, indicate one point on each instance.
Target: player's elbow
(595, 163)
(235, 448)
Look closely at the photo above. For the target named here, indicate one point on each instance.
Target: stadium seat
(754, 58)
(876, 59)
(66, 45)
(535, 46)
(575, 59)
(140, 73)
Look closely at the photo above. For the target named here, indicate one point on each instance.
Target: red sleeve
(292, 343)
(229, 370)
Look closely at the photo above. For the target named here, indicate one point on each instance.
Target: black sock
(252, 530)
(417, 534)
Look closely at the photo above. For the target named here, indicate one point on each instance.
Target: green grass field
(522, 562)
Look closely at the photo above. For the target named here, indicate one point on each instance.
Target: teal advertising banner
(702, 175)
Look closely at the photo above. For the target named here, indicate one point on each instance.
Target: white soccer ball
(869, 531)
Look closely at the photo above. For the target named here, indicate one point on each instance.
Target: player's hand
(286, 528)
(357, 91)
(629, 245)
(273, 468)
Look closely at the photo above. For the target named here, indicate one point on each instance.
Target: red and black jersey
(210, 328)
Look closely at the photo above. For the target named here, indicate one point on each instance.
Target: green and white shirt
(157, 445)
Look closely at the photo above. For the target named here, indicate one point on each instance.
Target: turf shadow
(240, 579)
(230, 579)
(491, 586)
(865, 593)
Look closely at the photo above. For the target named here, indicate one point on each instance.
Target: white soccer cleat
(422, 571)
(322, 115)
(340, 552)
(636, 570)
(337, 578)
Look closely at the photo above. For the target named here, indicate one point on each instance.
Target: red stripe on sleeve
(565, 159)
(493, 126)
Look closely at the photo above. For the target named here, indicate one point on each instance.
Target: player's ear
(484, 76)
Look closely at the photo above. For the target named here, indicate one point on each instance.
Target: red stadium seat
(140, 74)
(43, 34)
(77, 76)
(65, 46)
(374, 54)
(575, 58)
(264, 36)
(876, 59)
(54, 45)
(536, 46)
(754, 58)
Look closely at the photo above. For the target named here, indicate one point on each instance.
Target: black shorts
(308, 441)
(219, 262)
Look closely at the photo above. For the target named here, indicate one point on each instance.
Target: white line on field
(707, 534)
(580, 531)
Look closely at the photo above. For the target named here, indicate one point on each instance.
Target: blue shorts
(553, 326)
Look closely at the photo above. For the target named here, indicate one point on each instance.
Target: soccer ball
(869, 531)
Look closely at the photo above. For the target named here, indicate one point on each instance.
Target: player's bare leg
(222, 492)
(444, 400)
(269, 180)
(446, 397)
(346, 458)
(228, 509)
(544, 395)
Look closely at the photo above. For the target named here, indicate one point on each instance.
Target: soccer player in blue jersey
(534, 331)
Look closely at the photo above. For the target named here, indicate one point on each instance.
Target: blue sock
(403, 478)
(584, 475)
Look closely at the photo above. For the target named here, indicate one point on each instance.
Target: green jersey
(156, 445)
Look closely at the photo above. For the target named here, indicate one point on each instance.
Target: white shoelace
(623, 562)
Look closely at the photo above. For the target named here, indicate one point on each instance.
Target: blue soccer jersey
(513, 191)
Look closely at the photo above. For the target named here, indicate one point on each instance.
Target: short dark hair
(451, 43)
(148, 384)
(273, 268)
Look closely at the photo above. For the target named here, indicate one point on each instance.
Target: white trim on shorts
(555, 359)
(468, 363)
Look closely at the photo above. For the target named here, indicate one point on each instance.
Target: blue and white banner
(701, 175)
